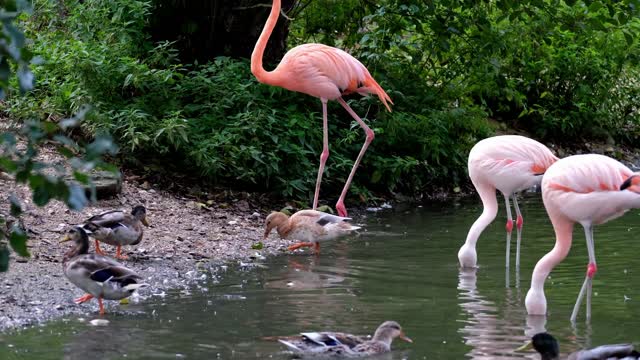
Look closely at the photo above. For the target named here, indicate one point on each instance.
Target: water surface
(403, 267)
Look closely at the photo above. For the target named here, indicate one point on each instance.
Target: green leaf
(16, 208)
(4, 258)
(77, 197)
(376, 176)
(82, 178)
(18, 241)
(628, 38)
(257, 246)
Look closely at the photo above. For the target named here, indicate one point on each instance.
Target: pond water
(403, 267)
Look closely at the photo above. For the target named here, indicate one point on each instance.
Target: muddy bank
(186, 242)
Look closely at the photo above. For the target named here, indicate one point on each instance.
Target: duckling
(309, 226)
(347, 345)
(117, 228)
(545, 344)
(101, 277)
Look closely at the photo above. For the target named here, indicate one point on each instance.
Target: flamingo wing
(327, 72)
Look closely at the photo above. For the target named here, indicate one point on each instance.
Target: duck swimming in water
(347, 345)
(545, 344)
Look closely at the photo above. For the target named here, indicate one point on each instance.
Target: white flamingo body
(509, 164)
(589, 190)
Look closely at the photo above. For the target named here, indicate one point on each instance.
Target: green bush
(219, 123)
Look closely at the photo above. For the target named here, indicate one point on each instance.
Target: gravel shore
(186, 240)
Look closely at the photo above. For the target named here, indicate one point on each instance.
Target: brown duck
(310, 227)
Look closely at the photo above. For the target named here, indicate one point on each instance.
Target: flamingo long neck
(490, 203)
(257, 69)
(564, 230)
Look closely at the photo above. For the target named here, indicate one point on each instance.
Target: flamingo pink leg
(592, 268)
(325, 151)
(370, 136)
(519, 223)
(509, 227)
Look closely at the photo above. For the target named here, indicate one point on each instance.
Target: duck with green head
(547, 346)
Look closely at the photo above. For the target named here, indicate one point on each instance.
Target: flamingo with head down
(509, 164)
(589, 190)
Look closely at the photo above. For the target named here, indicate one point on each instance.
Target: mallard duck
(101, 277)
(341, 344)
(548, 348)
(308, 226)
(117, 228)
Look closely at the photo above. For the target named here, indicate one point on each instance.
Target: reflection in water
(356, 284)
(490, 336)
(111, 342)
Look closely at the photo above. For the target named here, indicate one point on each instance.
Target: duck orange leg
(317, 248)
(119, 255)
(299, 245)
(98, 250)
(83, 299)
(101, 306)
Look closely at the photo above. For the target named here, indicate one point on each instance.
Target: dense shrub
(562, 70)
(218, 122)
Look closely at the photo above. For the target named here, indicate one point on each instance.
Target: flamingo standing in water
(510, 164)
(586, 189)
(326, 73)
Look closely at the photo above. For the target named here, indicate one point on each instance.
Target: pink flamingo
(326, 73)
(586, 189)
(510, 164)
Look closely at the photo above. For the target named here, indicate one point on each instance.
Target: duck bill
(405, 338)
(145, 222)
(526, 347)
(65, 239)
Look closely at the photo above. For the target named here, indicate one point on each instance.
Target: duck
(100, 276)
(345, 345)
(310, 227)
(547, 345)
(117, 228)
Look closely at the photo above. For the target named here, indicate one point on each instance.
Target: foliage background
(564, 71)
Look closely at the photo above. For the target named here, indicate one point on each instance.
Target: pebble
(99, 322)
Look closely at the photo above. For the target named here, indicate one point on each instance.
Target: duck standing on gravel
(117, 228)
(347, 345)
(310, 227)
(545, 344)
(101, 277)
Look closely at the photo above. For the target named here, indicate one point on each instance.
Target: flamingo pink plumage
(326, 73)
(510, 164)
(586, 189)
